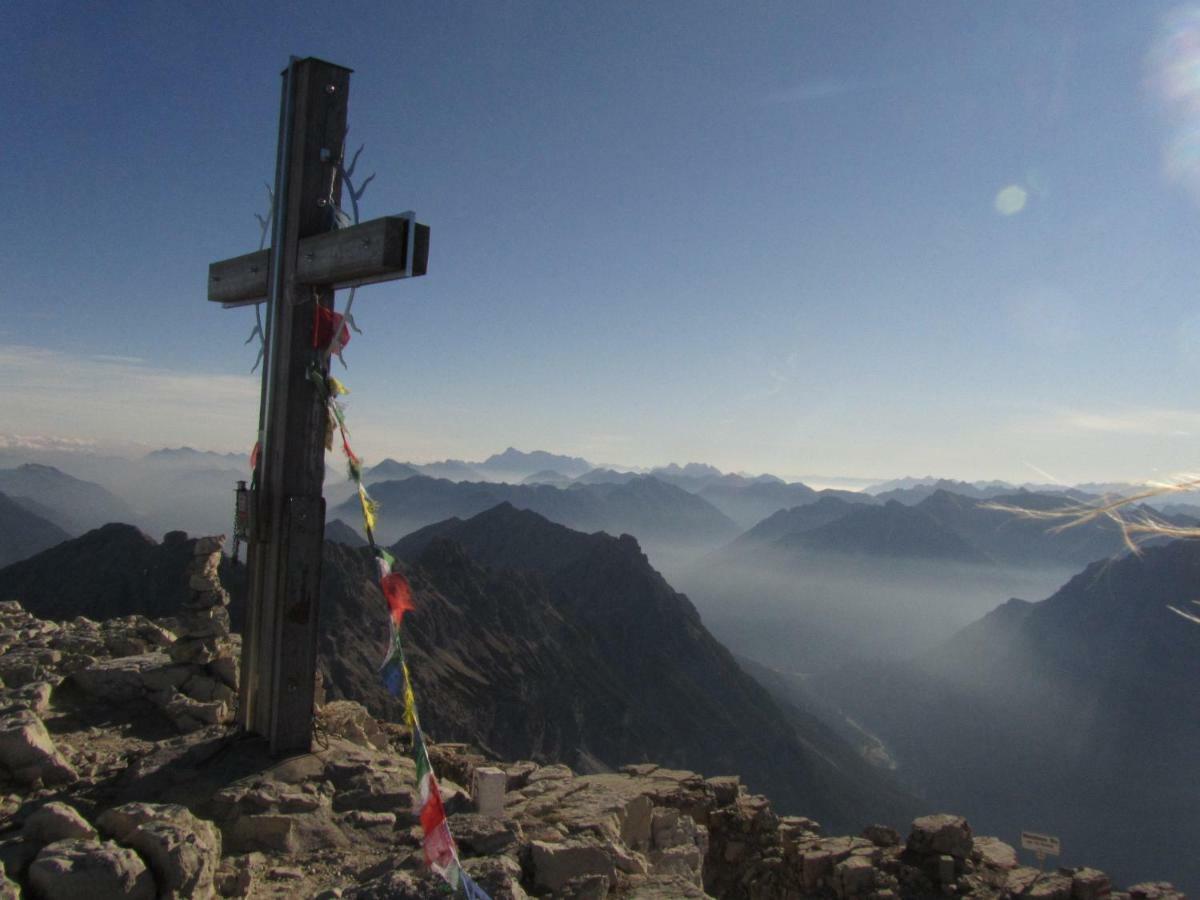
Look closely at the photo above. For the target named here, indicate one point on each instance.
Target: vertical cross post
(279, 651)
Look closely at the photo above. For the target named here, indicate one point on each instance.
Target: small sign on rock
(1040, 843)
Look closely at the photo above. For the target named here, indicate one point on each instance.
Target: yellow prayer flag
(410, 701)
(368, 508)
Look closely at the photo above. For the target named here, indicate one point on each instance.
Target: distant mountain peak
(690, 470)
(891, 530)
(23, 532)
(520, 463)
(41, 469)
(185, 453)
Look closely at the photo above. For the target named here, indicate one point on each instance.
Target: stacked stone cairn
(209, 694)
(188, 670)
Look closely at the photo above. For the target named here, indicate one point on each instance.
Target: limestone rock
(268, 816)
(350, 720)
(994, 852)
(585, 887)
(454, 797)
(34, 696)
(204, 571)
(207, 546)
(480, 835)
(396, 885)
(360, 818)
(182, 850)
(270, 832)
(234, 877)
(500, 876)
(1155, 890)
(555, 772)
(190, 715)
(853, 877)
(56, 822)
(725, 787)
(122, 679)
(941, 868)
(199, 651)
(518, 774)
(133, 635)
(882, 835)
(212, 621)
(678, 845)
(165, 678)
(937, 834)
(1089, 884)
(205, 689)
(554, 865)
(28, 752)
(378, 788)
(225, 669)
(90, 870)
(1050, 886)
(207, 598)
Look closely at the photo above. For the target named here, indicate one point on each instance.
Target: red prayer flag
(433, 813)
(438, 844)
(398, 594)
(330, 330)
(439, 848)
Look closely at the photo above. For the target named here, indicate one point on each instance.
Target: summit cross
(309, 259)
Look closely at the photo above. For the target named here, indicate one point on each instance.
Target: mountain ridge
(1077, 697)
(655, 673)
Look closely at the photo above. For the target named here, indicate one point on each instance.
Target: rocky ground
(122, 776)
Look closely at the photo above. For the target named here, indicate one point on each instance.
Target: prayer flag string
(440, 851)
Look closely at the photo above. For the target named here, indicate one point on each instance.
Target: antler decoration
(264, 225)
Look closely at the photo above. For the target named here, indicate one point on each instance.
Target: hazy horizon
(56, 448)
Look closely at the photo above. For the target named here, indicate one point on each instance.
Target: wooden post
(284, 558)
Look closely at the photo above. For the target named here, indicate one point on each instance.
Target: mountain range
(1071, 716)
(70, 503)
(656, 512)
(23, 532)
(529, 639)
(1068, 716)
(534, 640)
(813, 586)
(111, 571)
(512, 466)
(949, 526)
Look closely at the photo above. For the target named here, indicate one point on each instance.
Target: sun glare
(1011, 200)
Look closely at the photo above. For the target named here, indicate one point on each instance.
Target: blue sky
(762, 235)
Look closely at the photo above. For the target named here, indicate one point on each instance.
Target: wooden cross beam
(350, 257)
(279, 641)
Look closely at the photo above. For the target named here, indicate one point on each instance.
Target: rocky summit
(121, 777)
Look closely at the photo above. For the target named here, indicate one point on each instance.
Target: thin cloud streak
(1160, 422)
(58, 394)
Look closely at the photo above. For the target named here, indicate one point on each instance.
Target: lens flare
(1175, 72)
(1011, 200)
